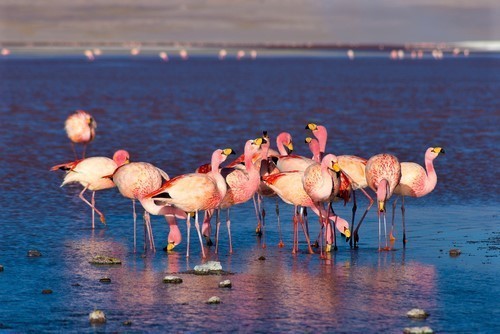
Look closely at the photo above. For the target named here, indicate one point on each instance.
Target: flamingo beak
(290, 146)
(347, 232)
(381, 206)
(170, 246)
(228, 151)
(308, 140)
(336, 167)
(311, 126)
(438, 150)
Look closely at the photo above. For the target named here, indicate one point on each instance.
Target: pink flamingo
(287, 161)
(137, 179)
(383, 173)
(90, 173)
(80, 128)
(194, 192)
(322, 187)
(242, 183)
(289, 187)
(415, 182)
(352, 176)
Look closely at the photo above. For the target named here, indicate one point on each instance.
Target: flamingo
(322, 187)
(80, 128)
(415, 182)
(383, 173)
(194, 192)
(352, 176)
(289, 187)
(137, 179)
(287, 161)
(90, 173)
(242, 183)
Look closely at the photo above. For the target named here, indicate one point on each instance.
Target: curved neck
(322, 135)
(315, 150)
(431, 180)
(280, 143)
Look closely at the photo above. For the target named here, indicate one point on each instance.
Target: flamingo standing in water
(242, 183)
(415, 182)
(383, 173)
(352, 176)
(91, 174)
(322, 187)
(137, 179)
(194, 192)
(80, 128)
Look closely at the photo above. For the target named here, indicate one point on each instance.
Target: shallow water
(173, 115)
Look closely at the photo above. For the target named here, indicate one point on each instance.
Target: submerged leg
(280, 244)
(206, 229)
(355, 234)
(188, 228)
(404, 226)
(217, 229)
(354, 208)
(256, 206)
(228, 223)
(305, 230)
(197, 225)
(392, 238)
(134, 214)
(103, 220)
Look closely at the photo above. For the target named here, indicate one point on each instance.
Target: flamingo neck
(174, 234)
(383, 193)
(431, 179)
(216, 175)
(322, 135)
(280, 143)
(315, 150)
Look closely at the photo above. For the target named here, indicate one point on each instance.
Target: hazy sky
(359, 21)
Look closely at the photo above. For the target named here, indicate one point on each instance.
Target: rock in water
(418, 330)
(97, 317)
(105, 279)
(417, 313)
(225, 284)
(1, 267)
(46, 291)
(213, 300)
(455, 252)
(172, 279)
(207, 268)
(105, 260)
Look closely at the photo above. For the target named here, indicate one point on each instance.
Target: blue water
(174, 115)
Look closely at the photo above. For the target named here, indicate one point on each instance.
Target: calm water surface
(174, 115)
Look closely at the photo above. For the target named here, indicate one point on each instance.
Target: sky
(250, 21)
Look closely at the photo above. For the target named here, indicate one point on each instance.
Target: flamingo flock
(307, 183)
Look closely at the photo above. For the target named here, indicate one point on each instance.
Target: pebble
(127, 323)
(455, 252)
(97, 317)
(1, 268)
(225, 284)
(105, 280)
(172, 279)
(46, 291)
(34, 253)
(418, 330)
(105, 260)
(262, 258)
(210, 266)
(417, 313)
(213, 300)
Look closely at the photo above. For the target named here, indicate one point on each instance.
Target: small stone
(1, 268)
(97, 317)
(76, 284)
(105, 280)
(127, 323)
(207, 268)
(418, 330)
(262, 258)
(46, 291)
(213, 300)
(455, 252)
(225, 284)
(417, 313)
(34, 253)
(107, 260)
(172, 279)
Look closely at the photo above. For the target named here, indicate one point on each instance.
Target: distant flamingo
(90, 173)
(383, 173)
(137, 179)
(242, 183)
(80, 127)
(415, 182)
(194, 192)
(352, 177)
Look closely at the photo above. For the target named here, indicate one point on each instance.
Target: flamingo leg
(74, 150)
(84, 149)
(355, 233)
(295, 232)
(404, 226)
(379, 230)
(302, 223)
(188, 227)
(197, 225)
(217, 229)
(256, 206)
(280, 244)
(207, 228)
(150, 231)
(134, 214)
(103, 220)
(392, 238)
(263, 214)
(93, 212)
(145, 228)
(228, 223)
(385, 233)
(354, 208)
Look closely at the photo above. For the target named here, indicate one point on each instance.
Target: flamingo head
(121, 157)
(433, 152)
(285, 139)
(174, 236)
(382, 194)
(343, 227)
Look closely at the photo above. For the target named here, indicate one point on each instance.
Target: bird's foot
(281, 244)
(391, 237)
(103, 220)
(258, 230)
